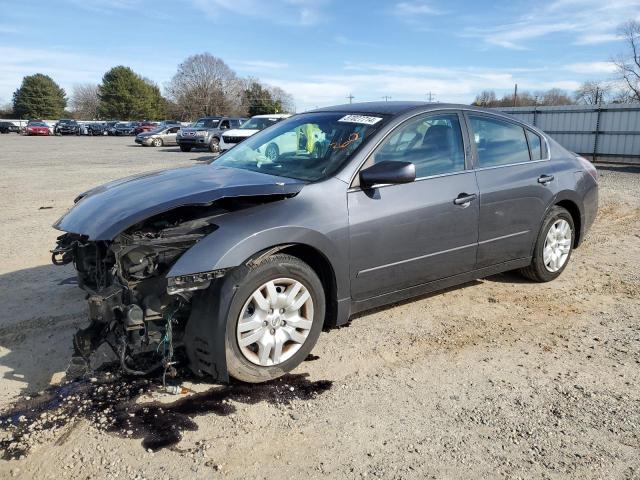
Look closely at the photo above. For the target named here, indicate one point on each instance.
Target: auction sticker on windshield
(364, 119)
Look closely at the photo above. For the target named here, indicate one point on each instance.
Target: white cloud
(260, 65)
(592, 68)
(371, 81)
(415, 8)
(585, 22)
(284, 12)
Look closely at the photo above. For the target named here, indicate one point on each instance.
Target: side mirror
(388, 172)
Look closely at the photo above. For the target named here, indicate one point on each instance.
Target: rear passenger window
(433, 144)
(535, 145)
(498, 142)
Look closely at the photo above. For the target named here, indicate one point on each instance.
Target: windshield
(158, 130)
(259, 123)
(38, 124)
(206, 123)
(308, 147)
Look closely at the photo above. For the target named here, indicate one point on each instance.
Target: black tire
(214, 145)
(272, 152)
(273, 267)
(537, 270)
(184, 148)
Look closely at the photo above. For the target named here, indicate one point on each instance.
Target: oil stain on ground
(109, 403)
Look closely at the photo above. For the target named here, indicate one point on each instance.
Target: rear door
(515, 180)
(409, 234)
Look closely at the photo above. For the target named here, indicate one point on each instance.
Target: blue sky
(322, 50)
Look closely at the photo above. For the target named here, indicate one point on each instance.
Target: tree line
(624, 88)
(203, 85)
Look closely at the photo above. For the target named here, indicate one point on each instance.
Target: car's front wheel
(553, 246)
(274, 320)
(157, 142)
(214, 145)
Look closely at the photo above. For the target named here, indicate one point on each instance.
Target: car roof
(400, 107)
(273, 115)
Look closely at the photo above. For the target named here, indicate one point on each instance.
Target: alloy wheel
(557, 245)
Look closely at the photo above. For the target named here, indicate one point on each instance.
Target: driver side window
(433, 144)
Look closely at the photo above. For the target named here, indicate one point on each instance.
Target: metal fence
(605, 133)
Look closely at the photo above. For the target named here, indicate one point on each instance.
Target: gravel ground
(499, 378)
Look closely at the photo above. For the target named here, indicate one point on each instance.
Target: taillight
(589, 167)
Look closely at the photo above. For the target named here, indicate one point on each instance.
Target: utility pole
(515, 96)
(386, 98)
(430, 97)
(350, 97)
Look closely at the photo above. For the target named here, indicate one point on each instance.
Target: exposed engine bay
(133, 306)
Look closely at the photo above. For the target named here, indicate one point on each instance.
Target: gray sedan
(243, 261)
(164, 135)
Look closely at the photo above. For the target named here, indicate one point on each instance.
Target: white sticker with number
(364, 119)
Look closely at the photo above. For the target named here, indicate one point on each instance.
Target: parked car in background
(66, 126)
(111, 127)
(124, 128)
(166, 123)
(37, 127)
(206, 133)
(160, 136)
(96, 129)
(256, 123)
(377, 203)
(9, 127)
(144, 127)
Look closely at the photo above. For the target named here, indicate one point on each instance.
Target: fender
(230, 247)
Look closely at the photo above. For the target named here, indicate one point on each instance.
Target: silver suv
(206, 133)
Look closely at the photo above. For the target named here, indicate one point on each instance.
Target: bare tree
(285, 99)
(486, 98)
(555, 96)
(85, 101)
(205, 85)
(628, 66)
(593, 92)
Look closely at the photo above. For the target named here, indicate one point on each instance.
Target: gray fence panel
(604, 132)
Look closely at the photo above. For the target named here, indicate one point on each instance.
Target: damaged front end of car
(133, 306)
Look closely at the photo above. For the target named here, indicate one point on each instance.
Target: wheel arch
(576, 215)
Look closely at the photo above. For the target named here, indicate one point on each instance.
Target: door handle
(464, 199)
(545, 179)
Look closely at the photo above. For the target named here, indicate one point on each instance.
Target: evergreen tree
(260, 101)
(39, 97)
(125, 95)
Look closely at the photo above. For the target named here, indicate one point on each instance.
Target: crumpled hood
(104, 212)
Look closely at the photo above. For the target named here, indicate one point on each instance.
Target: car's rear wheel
(553, 247)
(272, 152)
(184, 148)
(214, 145)
(157, 142)
(274, 320)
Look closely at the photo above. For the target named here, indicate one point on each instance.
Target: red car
(38, 128)
(144, 127)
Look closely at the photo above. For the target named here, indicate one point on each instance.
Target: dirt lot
(498, 378)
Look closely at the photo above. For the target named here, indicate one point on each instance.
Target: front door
(409, 234)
